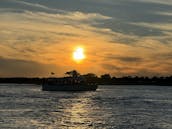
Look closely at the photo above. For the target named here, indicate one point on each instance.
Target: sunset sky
(120, 37)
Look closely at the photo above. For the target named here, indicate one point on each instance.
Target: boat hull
(48, 87)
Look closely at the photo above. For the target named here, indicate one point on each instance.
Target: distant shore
(161, 81)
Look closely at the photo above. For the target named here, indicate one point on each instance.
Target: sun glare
(78, 54)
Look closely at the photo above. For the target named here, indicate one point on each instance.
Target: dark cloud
(124, 58)
(110, 67)
(130, 59)
(123, 40)
(131, 29)
(123, 71)
(21, 6)
(118, 70)
(15, 67)
(123, 13)
(167, 55)
(147, 72)
(163, 56)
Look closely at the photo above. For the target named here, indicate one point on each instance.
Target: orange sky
(35, 43)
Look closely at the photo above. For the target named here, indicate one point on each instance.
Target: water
(118, 107)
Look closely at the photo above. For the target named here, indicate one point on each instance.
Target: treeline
(22, 80)
(105, 79)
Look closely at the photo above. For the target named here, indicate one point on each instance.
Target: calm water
(118, 107)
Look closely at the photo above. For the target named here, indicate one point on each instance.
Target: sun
(78, 54)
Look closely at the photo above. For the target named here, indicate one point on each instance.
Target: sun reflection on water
(78, 114)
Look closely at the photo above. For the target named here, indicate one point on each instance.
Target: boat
(67, 84)
(74, 82)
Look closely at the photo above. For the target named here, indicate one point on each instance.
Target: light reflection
(77, 114)
(77, 111)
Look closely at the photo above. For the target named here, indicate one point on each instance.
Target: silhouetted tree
(106, 78)
(73, 73)
(91, 77)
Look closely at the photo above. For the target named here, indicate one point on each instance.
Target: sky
(120, 37)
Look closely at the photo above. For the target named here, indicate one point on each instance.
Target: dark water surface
(110, 107)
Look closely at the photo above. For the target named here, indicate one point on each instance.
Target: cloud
(136, 33)
(165, 56)
(17, 67)
(111, 67)
(164, 2)
(129, 59)
(147, 11)
(18, 6)
(125, 58)
(164, 27)
(128, 23)
(145, 69)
